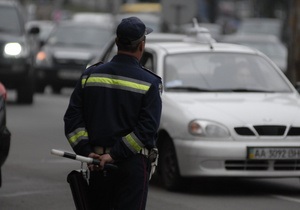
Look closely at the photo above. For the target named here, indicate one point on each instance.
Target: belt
(101, 150)
(104, 150)
(145, 152)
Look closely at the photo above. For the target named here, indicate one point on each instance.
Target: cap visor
(148, 30)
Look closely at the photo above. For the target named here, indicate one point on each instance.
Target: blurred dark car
(4, 132)
(45, 27)
(69, 48)
(16, 52)
(270, 45)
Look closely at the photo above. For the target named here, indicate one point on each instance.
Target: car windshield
(80, 35)
(222, 72)
(45, 30)
(9, 21)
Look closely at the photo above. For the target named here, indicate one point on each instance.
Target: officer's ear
(142, 46)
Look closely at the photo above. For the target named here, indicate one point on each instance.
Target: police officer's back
(113, 115)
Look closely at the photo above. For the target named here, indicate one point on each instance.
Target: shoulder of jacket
(151, 72)
(96, 64)
(91, 67)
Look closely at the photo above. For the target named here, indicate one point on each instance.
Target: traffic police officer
(113, 115)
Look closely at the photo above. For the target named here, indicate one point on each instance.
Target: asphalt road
(35, 179)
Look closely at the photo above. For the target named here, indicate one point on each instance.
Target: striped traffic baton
(81, 158)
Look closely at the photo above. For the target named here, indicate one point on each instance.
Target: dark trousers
(123, 189)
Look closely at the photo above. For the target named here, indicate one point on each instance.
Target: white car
(228, 111)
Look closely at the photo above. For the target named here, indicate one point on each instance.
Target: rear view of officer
(113, 115)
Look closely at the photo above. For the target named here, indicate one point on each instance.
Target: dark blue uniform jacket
(116, 104)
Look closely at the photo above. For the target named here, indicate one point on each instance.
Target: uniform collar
(123, 58)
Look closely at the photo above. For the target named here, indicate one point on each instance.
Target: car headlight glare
(12, 49)
(42, 59)
(208, 129)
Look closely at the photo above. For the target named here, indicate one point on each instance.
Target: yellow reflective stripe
(77, 135)
(132, 144)
(115, 81)
(105, 80)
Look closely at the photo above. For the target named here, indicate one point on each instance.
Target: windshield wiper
(188, 88)
(250, 90)
(196, 89)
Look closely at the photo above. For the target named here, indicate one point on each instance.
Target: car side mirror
(34, 30)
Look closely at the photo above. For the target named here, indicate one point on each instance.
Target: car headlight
(43, 59)
(13, 49)
(208, 129)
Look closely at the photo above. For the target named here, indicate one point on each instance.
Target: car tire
(25, 91)
(168, 166)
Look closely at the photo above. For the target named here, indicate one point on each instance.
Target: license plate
(273, 153)
(69, 74)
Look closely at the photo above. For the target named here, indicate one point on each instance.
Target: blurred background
(278, 18)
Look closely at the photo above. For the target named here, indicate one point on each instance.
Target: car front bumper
(229, 159)
(13, 72)
(67, 77)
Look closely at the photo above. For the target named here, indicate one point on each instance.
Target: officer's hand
(93, 167)
(106, 158)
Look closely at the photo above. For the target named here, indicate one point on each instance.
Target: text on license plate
(275, 153)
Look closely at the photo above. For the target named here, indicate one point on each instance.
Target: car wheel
(168, 166)
(25, 92)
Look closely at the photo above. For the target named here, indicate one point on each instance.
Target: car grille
(268, 130)
(287, 165)
(246, 165)
(262, 165)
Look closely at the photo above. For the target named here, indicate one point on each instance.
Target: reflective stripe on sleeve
(83, 80)
(133, 143)
(76, 136)
(116, 82)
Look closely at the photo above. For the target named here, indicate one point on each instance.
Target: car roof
(79, 23)
(186, 47)
(93, 17)
(165, 37)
